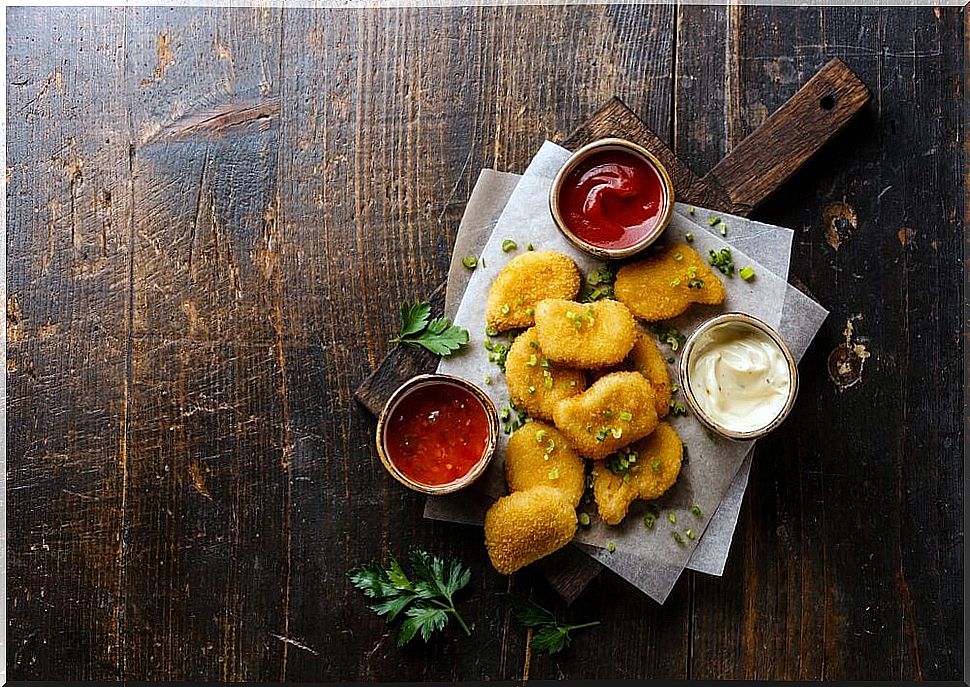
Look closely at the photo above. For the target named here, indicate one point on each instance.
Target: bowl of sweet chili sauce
(437, 433)
(612, 198)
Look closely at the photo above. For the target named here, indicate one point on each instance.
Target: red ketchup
(612, 199)
(437, 434)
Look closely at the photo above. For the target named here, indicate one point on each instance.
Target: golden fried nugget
(526, 525)
(655, 470)
(664, 285)
(539, 455)
(647, 359)
(536, 385)
(585, 335)
(615, 411)
(526, 280)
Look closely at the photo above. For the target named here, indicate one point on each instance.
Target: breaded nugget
(524, 526)
(655, 470)
(585, 335)
(615, 411)
(536, 385)
(539, 455)
(663, 286)
(526, 280)
(647, 359)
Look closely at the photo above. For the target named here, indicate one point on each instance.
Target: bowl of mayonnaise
(739, 376)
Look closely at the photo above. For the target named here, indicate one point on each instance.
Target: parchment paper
(713, 461)
(770, 245)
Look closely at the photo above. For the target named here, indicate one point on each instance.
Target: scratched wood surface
(212, 216)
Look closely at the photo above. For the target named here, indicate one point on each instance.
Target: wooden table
(212, 217)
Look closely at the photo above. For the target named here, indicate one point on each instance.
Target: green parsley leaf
(425, 619)
(550, 636)
(427, 601)
(552, 639)
(439, 336)
(414, 318)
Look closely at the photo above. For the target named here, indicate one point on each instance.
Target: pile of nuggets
(594, 385)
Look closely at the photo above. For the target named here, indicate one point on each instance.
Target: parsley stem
(460, 620)
(569, 628)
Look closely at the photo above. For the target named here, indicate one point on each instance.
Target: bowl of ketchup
(437, 433)
(612, 198)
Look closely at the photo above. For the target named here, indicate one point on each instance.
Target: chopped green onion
(470, 261)
(509, 244)
(611, 547)
(505, 308)
(690, 534)
(713, 220)
(530, 247)
(491, 331)
(488, 379)
(532, 389)
(746, 273)
(540, 436)
(723, 230)
(691, 209)
(554, 473)
(626, 415)
(689, 236)
(530, 311)
(696, 510)
(533, 360)
(672, 517)
(649, 520)
(584, 519)
(678, 538)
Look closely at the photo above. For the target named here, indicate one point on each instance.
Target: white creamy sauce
(739, 376)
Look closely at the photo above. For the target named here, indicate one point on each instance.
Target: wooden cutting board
(740, 182)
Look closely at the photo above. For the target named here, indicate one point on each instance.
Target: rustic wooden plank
(207, 553)
(819, 598)
(375, 141)
(68, 183)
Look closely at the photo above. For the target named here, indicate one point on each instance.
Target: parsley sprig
(426, 600)
(437, 335)
(550, 635)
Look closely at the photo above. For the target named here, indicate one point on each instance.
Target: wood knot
(839, 221)
(847, 360)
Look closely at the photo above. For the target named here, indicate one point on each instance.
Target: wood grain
(213, 216)
(68, 261)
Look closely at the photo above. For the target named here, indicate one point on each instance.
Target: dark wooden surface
(212, 216)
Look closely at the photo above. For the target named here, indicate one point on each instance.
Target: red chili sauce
(437, 434)
(613, 199)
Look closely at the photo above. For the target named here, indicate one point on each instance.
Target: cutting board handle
(790, 136)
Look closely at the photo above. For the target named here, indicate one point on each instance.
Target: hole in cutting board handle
(827, 102)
